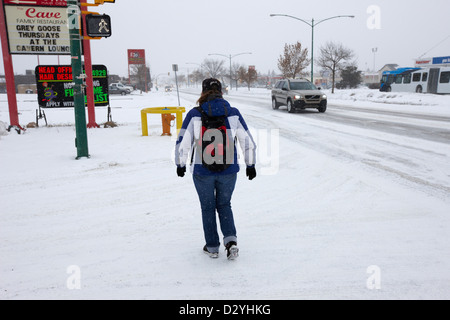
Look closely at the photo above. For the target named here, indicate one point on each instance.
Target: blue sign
(441, 60)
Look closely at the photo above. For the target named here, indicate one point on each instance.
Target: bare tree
(141, 74)
(235, 72)
(214, 68)
(181, 78)
(293, 61)
(333, 57)
(247, 75)
(197, 76)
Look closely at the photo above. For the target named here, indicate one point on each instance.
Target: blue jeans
(215, 192)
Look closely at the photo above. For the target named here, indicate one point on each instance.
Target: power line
(435, 46)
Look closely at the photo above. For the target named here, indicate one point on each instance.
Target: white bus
(422, 80)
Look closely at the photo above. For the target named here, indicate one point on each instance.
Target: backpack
(217, 151)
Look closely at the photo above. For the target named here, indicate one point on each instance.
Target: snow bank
(3, 128)
(400, 101)
(401, 98)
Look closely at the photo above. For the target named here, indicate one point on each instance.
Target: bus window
(425, 76)
(416, 77)
(445, 77)
(390, 79)
(398, 78)
(407, 78)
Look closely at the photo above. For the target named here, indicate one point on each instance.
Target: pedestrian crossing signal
(98, 25)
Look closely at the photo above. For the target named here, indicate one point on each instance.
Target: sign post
(175, 69)
(9, 73)
(74, 16)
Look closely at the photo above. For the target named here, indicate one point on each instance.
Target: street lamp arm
(285, 15)
(218, 54)
(239, 54)
(333, 18)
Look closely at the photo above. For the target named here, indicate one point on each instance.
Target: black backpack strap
(202, 112)
(225, 108)
(209, 110)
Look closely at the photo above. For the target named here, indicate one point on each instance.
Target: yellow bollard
(144, 123)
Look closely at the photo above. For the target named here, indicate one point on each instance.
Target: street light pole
(312, 24)
(229, 57)
(312, 50)
(374, 50)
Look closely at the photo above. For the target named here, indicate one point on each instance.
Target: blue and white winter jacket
(191, 130)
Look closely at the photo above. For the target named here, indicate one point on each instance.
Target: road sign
(136, 56)
(98, 25)
(55, 86)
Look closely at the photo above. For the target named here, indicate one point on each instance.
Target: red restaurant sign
(46, 3)
(37, 30)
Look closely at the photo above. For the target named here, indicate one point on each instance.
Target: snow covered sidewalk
(122, 225)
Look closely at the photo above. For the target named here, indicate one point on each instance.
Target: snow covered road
(411, 146)
(350, 204)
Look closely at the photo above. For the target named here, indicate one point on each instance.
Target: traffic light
(98, 25)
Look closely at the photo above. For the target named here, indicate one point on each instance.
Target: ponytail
(207, 94)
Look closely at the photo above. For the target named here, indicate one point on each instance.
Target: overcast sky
(186, 31)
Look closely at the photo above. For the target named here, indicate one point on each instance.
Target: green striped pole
(74, 16)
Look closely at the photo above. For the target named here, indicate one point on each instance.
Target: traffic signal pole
(89, 79)
(74, 16)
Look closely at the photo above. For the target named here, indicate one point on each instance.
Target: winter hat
(211, 84)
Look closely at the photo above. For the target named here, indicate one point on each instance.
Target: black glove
(181, 171)
(251, 173)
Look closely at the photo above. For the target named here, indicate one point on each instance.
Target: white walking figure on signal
(103, 25)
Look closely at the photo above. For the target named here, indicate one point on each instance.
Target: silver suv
(298, 94)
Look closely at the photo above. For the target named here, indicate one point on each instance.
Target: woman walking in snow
(209, 133)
